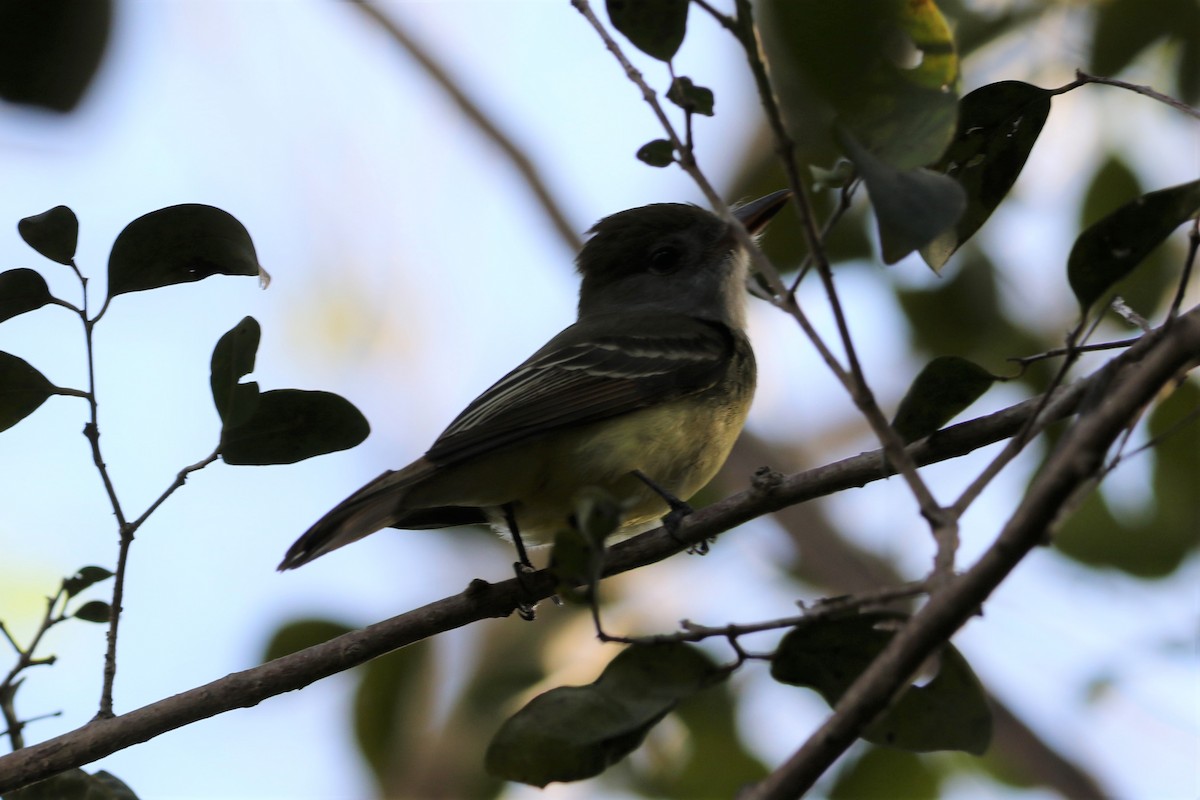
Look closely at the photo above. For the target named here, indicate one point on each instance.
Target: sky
(410, 269)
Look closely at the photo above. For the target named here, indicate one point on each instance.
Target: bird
(643, 396)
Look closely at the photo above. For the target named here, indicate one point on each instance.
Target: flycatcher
(652, 382)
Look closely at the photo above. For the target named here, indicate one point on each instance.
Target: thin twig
(845, 196)
(1185, 277)
(180, 480)
(1083, 348)
(1082, 79)
(822, 609)
(25, 659)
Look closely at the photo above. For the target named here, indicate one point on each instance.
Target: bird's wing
(590, 371)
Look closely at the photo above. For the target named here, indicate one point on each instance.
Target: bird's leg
(523, 566)
(679, 510)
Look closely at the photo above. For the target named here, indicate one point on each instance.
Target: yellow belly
(679, 445)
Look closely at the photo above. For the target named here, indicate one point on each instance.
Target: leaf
(950, 712)
(22, 390)
(1125, 28)
(886, 69)
(179, 244)
(884, 772)
(22, 290)
(658, 153)
(85, 577)
(393, 707)
(94, 611)
(75, 784)
(290, 425)
(50, 50)
(715, 761)
(940, 392)
(998, 125)
(911, 206)
(1111, 249)
(656, 27)
(1155, 543)
(233, 359)
(52, 233)
(301, 634)
(106, 786)
(1113, 183)
(575, 732)
(690, 97)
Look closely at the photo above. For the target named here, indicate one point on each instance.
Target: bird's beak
(756, 214)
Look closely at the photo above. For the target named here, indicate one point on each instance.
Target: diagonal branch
(1129, 382)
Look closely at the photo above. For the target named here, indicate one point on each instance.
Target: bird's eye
(665, 260)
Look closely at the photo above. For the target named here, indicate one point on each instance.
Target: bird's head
(672, 257)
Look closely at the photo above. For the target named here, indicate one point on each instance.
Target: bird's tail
(377, 505)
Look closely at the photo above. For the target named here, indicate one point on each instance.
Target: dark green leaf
(52, 233)
(22, 390)
(1149, 288)
(290, 425)
(94, 611)
(1187, 72)
(717, 763)
(886, 70)
(950, 712)
(85, 577)
(998, 125)
(179, 244)
(1154, 544)
(576, 732)
(884, 772)
(50, 50)
(656, 27)
(911, 206)
(394, 706)
(296, 636)
(574, 564)
(1111, 249)
(75, 784)
(1125, 28)
(658, 153)
(941, 391)
(1176, 429)
(21, 290)
(233, 359)
(106, 786)
(690, 97)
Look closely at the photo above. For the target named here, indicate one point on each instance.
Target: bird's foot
(679, 510)
(526, 609)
